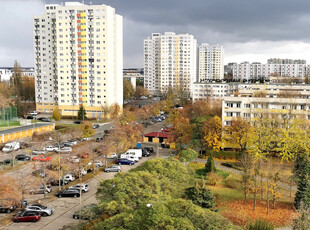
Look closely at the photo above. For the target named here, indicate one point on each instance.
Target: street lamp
(59, 178)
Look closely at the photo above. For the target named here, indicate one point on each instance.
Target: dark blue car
(125, 162)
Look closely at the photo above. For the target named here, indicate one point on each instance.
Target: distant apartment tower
(285, 61)
(256, 70)
(210, 63)
(169, 62)
(78, 58)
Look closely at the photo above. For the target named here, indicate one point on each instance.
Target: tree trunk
(245, 192)
(274, 202)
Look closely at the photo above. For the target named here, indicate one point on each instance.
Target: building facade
(253, 107)
(7, 72)
(210, 62)
(78, 58)
(256, 70)
(169, 62)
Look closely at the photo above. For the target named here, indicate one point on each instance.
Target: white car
(83, 187)
(33, 113)
(69, 177)
(50, 148)
(98, 164)
(38, 152)
(83, 172)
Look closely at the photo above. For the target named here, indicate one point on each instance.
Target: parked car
(40, 190)
(64, 150)
(107, 132)
(22, 157)
(27, 216)
(38, 152)
(7, 161)
(33, 113)
(113, 168)
(86, 213)
(145, 153)
(38, 172)
(112, 156)
(97, 163)
(69, 177)
(78, 122)
(41, 158)
(125, 162)
(129, 157)
(99, 139)
(149, 149)
(96, 126)
(56, 182)
(74, 159)
(7, 205)
(41, 209)
(46, 120)
(9, 147)
(51, 148)
(68, 193)
(31, 117)
(83, 187)
(71, 142)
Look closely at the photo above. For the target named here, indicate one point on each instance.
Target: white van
(134, 152)
(129, 157)
(9, 147)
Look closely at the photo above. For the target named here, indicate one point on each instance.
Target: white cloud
(260, 51)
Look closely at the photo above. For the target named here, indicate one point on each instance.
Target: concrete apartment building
(252, 107)
(6, 72)
(169, 61)
(210, 62)
(78, 58)
(257, 70)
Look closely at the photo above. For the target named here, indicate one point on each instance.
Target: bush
(222, 173)
(213, 178)
(260, 225)
(210, 165)
(188, 155)
(201, 196)
(56, 115)
(231, 182)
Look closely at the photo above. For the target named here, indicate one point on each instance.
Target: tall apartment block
(256, 70)
(169, 62)
(210, 62)
(78, 58)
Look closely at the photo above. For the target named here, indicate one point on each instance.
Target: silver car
(113, 168)
(40, 190)
(83, 187)
(64, 150)
(43, 210)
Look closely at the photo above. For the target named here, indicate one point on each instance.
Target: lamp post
(59, 178)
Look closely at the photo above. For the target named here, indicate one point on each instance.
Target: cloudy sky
(249, 30)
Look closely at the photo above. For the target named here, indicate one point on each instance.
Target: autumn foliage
(243, 214)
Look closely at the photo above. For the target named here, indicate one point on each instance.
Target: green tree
(128, 90)
(303, 221)
(210, 165)
(82, 113)
(56, 114)
(188, 155)
(302, 175)
(200, 195)
(17, 79)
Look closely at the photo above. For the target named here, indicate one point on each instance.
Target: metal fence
(8, 116)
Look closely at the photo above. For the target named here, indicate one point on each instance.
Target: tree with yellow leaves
(238, 132)
(212, 133)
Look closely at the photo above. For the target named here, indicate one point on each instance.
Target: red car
(41, 158)
(27, 216)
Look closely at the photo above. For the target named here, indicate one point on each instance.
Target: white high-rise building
(210, 62)
(169, 62)
(78, 58)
